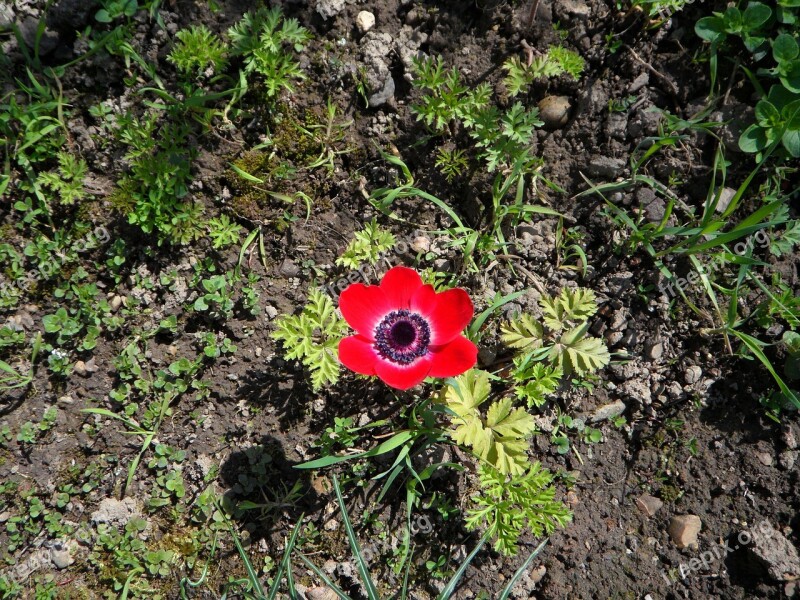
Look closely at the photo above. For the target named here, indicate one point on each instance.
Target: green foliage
(767, 33)
(153, 192)
(449, 99)
(451, 163)
(534, 380)
(500, 436)
(556, 61)
(196, 50)
(561, 339)
(507, 506)
(113, 9)
(777, 118)
(217, 296)
(504, 139)
(367, 246)
(67, 180)
(313, 338)
(223, 232)
(267, 43)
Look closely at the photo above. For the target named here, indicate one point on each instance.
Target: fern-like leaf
(522, 333)
(313, 338)
(579, 354)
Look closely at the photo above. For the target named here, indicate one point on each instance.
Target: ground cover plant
(403, 299)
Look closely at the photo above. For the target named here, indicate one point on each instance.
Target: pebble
(692, 374)
(774, 551)
(655, 351)
(66, 400)
(765, 458)
(788, 458)
(116, 302)
(683, 530)
(421, 244)
(61, 557)
(649, 505)
(608, 411)
(365, 21)
(554, 111)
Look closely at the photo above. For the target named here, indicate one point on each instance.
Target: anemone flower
(405, 331)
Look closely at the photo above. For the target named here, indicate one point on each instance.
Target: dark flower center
(402, 336)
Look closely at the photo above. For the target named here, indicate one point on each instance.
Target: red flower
(405, 330)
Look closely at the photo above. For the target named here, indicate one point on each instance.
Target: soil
(695, 437)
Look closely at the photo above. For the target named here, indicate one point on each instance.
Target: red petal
(403, 377)
(363, 307)
(399, 285)
(448, 313)
(357, 354)
(454, 358)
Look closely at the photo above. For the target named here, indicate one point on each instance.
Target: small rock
(642, 80)
(421, 244)
(789, 437)
(574, 8)
(321, 593)
(115, 303)
(61, 556)
(765, 458)
(605, 166)
(683, 530)
(5, 516)
(654, 350)
(725, 196)
(608, 411)
(787, 459)
(80, 369)
(331, 525)
(790, 589)
(289, 269)
(66, 400)
(329, 8)
(554, 111)
(270, 311)
(649, 505)
(365, 21)
(692, 374)
(259, 351)
(771, 548)
(115, 512)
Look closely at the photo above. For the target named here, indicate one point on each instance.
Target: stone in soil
(771, 548)
(683, 530)
(649, 505)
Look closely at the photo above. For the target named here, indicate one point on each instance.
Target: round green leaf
(709, 28)
(753, 139)
(791, 77)
(755, 16)
(767, 115)
(784, 48)
(791, 141)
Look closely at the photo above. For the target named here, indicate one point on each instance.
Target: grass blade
(512, 582)
(451, 586)
(363, 570)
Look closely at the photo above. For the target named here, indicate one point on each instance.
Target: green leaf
(766, 114)
(753, 139)
(755, 15)
(791, 141)
(784, 48)
(467, 392)
(522, 333)
(507, 421)
(710, 28)
(580, 354)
